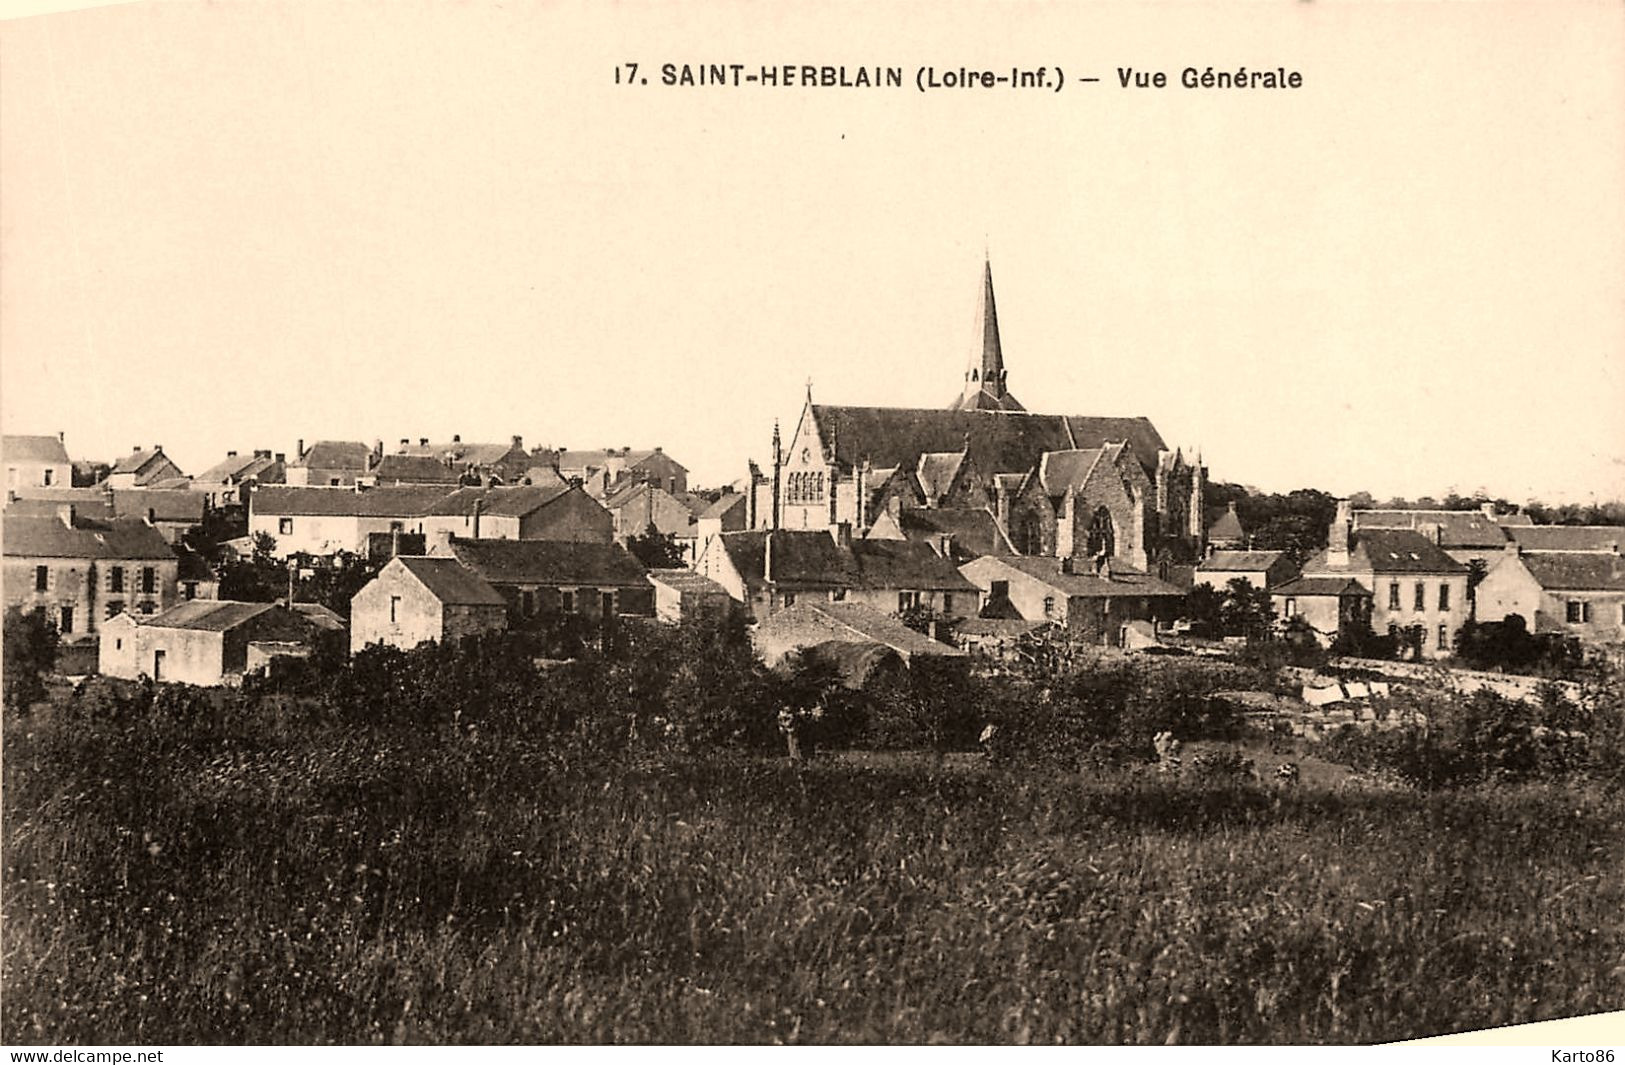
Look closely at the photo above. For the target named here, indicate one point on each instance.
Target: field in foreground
(351, 885)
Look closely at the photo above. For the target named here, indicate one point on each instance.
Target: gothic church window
(1102, 536)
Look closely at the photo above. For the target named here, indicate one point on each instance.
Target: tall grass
(271, 880)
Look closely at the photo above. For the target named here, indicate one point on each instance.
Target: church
(984, 475)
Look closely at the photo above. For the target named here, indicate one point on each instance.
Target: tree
(1246, 611)
(655, 549)
(30, 650)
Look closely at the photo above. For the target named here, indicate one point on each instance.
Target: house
(539, 578)
(140, 469)
(1413, 581)
(95, 502)
(1330, 606)
(897, 576)
(730, 513)
(330, 464)
(418, 599)
(1590, 539)
(468, 462)
(210, 642)
(960, 533)
(1576, 593)
(171, 511)
(681, 594)
(1091, 603)
(999, 638)
(601, 472)
(225, 481)
(415, 469)
(82, 571)
(1464, 535)
(36, 461)
(324, 521)
(767, 570)
(1224, 532)
(1261, 569)
(520, 512)
(812, 624)
(852, 464)
(637, 505)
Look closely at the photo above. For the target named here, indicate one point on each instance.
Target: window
(394, 609)
(1421, 636)
(1049, 606)
(789, 598)
(118, 645)
(567, 602)
(1579, 611)
(115, 607)
(190, 589)
(332, 482)
(1393, 596)
(1102, 534)
(48, 476)
(1444, 597)
(42, 578)
(837, 595)
(1000, 590)
(284, 526)
(67, 621)
(947, 602)
(907, 601)
(149, 580)
(527, 603)
(116, 577)
(1421, 596)
(1444, 638)
(147, 608)
(1291, 607)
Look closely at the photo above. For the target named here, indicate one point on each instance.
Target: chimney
(394, 542)
(1339, 537)
(843, 535)
(658, 449)
(479, 505)
(1067, 566)
(518, 442)
(457, 438)
(61, 437)
(1433, 531)
(67, 512)
(440, 542)
(299, 447)
(405, 443)
(377, 449)
(282, 456)
(861, 483)
(423, 441)
(138, 449)
(152, 516)
(233, 454)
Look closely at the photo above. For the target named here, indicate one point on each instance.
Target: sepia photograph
(991, 524)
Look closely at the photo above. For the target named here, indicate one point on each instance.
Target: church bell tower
(985, 387)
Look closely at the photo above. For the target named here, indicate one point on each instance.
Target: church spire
(985, 378)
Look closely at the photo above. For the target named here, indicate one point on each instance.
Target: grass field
(350, 885)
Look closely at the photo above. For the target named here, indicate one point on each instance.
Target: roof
(468, 454)
(1390, 551)
(856, 661)
(544, 477)
(42, 449)
(851, 619)
(414, 469)
(237, 468)
(165, 504)
(1574, 571)
(1239, 561)
(335, 455)
(802, 558)
(29, 536)
(906, 564)
(320, 616)
(599, 458)
(937, 470)
(137, 461)
(1226, 526)
(1001, 627)
(687, 582)
(208, 615)
(1060, 470)
(86, 503)
(1085, 583)
(449, 581)
(1306, 586)
(722, 506)
(1457, 528)
(512, 501)
(997, 441)
(385, 501)
(1606, 538)
(972, 531)
(550, 562)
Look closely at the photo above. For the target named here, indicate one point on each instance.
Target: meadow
(273, 876)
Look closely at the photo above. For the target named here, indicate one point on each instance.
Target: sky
(234, 226)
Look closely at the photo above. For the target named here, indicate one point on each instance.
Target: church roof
(985, 379)
(937, 470)
(996, 442)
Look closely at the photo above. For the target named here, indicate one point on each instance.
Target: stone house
(681, 594)
(324, 521)
(1413, 581)
(601, 472)
(225, 482)
(1575, 593)
(520, 512)
(537, 578)
(171, 511)
(208, 642)
(329, 464)
(1094, 604)
(468, 462)
(1330, 606)
(83, 571)
(1261, 569)
(36, 461)
(809, 624)
(140, 469)
(1464, 535)
(419, 599)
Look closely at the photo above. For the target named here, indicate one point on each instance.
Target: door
(157, 665)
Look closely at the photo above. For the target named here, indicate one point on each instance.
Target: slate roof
(973, 531)
(544, 477)
(208, 615)
(1574, 571)
(138, 461)
(1000, 627)
(28, 536)
(167, 504)
(548, 562)
(234, 469)
(385, 501)
(1060, 470)
(599, 458)
(936, 471)
(1309, 586)
(414, 469)
(320, 616)
(1121, 582)
(864, 623)
(335, 455)
(999, 442)
(1390, 551)
(905, 564)
(1239, 561)
(510, 501)
(722, 506)
(48, 503)
(802, 558)
(1604, 538)
(469, 454)
(1457, 528)
(1227, 526)
(687, 582)
(48, 450)
(449, 581)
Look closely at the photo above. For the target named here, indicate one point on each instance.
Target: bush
(30, 651)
